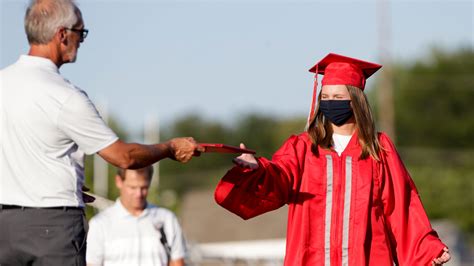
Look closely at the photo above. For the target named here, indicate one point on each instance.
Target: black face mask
(337, 111)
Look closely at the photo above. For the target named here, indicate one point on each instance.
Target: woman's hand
(445, 257)
(246, 160)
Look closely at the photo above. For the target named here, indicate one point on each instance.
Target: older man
(132, 231)
(47, 126)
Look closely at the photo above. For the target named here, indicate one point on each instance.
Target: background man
(132, 231)
(47, 125)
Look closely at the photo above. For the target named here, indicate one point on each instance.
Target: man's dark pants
(42, 236)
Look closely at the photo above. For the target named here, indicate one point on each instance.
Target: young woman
(351, 200)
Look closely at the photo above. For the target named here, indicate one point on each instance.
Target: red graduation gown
(342, 210)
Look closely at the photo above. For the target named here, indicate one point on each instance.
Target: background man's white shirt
(117, 238)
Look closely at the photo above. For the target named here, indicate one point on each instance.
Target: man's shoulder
(104, 216)
(160, 212)
(7, 68)
(60, 83)
(158, 209)
(12, 67)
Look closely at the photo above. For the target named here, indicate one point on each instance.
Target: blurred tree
(194, 174)
(445, 181)
(258, 133)
(434, 99)
(435, 127)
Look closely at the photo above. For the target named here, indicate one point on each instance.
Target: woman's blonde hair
(320, 129)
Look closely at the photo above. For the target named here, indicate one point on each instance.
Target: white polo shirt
(47, 124)
(117, 238)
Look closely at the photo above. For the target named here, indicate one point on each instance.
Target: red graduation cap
(341, 70)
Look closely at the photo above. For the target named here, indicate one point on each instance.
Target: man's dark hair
(148, 171)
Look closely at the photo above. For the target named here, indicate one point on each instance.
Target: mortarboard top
(341, 70)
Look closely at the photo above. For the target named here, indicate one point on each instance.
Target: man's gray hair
(44, 17)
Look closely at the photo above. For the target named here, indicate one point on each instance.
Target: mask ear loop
(313, 101)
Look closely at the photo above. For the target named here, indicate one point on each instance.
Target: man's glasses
(83, 32)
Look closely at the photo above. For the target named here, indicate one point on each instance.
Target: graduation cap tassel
(313, 101)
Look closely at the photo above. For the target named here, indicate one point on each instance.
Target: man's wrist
(168, 149)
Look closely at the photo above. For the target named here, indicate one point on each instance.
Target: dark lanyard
(165, 244)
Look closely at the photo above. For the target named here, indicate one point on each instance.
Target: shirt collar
(122, 212)
(38, 61)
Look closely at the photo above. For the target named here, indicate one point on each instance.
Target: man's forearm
(144, 155)
(134, 155)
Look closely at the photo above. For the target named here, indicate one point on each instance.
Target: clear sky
(167, 59)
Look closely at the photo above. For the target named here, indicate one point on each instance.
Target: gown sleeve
(415, 242)
(248, 193)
